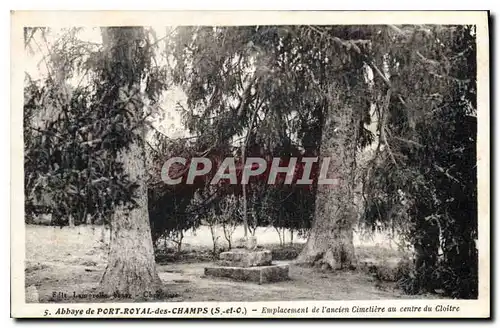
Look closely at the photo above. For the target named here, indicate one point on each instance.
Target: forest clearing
(78, 273)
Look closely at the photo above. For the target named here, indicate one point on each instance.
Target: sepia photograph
(213, 167)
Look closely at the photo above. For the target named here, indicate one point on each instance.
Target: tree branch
(245, 96)
(353, 45)
(348, 44)
(409, 141)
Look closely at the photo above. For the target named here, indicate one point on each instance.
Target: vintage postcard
(250, 164)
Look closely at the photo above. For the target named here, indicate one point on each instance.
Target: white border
(478, 308)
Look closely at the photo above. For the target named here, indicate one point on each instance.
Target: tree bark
(131, 270)
(330, 242)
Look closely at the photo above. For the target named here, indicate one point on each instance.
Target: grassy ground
(72, 260)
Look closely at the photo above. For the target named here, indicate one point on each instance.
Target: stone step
(245, 258)
(260, 274)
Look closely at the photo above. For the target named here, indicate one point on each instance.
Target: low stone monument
(248, 262)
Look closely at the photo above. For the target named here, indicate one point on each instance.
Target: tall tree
(297, 80)
(327, 83)
(427, 171)
(131, 264)
(87, 157)
(330, 241)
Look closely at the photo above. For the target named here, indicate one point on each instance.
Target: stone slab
(249, 242)
(245, 258)
(260, 275)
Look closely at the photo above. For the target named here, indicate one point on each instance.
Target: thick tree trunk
(330, 242)
(131, 264)
(131, 268)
